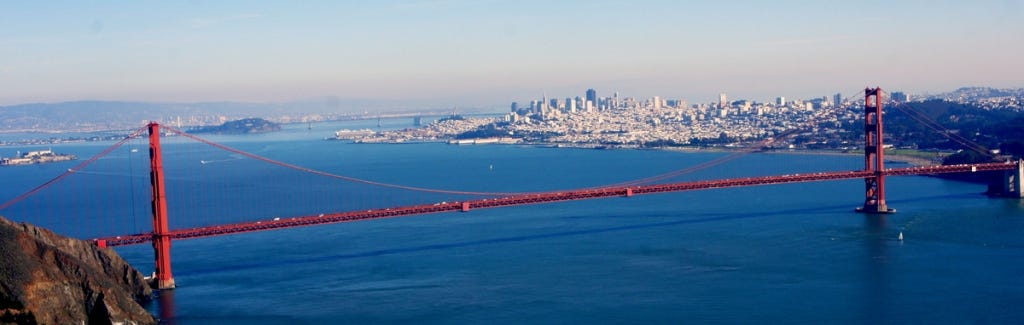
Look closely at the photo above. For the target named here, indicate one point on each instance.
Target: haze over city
(511, 161)
(489, 53)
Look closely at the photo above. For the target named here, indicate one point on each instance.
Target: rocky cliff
(46, 278)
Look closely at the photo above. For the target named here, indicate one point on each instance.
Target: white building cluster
(631, 122)
(625, 121)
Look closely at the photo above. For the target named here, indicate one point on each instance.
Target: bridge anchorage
(1010, 184)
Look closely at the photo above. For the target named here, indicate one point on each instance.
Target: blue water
(793, 253)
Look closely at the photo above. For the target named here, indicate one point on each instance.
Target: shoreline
(894, 157)
(889, 157)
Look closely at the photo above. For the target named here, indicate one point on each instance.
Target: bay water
(795, 253)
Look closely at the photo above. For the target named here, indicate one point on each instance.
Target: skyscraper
(592, 96)
(780, 101)
(837, 100)
(722, 100)
(899, 96)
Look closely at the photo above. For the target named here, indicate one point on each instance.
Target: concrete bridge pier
(1011, 181)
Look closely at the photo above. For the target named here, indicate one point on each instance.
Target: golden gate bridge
(874, 175)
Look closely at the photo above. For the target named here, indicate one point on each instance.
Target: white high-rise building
(780, 101)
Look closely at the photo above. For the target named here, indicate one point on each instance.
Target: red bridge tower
(874, 154)
(161, 239)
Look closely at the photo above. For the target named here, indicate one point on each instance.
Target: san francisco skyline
(488, 53)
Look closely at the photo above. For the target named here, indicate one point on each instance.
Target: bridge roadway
(540, 197)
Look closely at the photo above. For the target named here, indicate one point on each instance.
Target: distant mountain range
(82, 116)
(92, 115)
(114, 115)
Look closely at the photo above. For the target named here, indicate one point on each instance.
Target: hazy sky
(489, 53)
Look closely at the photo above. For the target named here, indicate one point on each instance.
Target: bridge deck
(541, 197)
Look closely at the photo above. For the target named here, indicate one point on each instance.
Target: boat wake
(204, 162)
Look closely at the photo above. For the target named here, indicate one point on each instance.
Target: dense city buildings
(656, 121)
(626, 122)
(616, 121)
(985, 98)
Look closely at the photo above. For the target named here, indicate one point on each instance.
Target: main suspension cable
(71, 170)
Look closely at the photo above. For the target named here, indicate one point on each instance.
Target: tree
(966, 157)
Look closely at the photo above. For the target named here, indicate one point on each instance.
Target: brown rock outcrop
(46, 278)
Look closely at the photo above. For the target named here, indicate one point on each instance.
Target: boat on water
(36, 157)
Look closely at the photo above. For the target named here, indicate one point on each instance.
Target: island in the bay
(36, 157)
(242, 126)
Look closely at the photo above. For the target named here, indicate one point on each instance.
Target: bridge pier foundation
(1012, 181)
